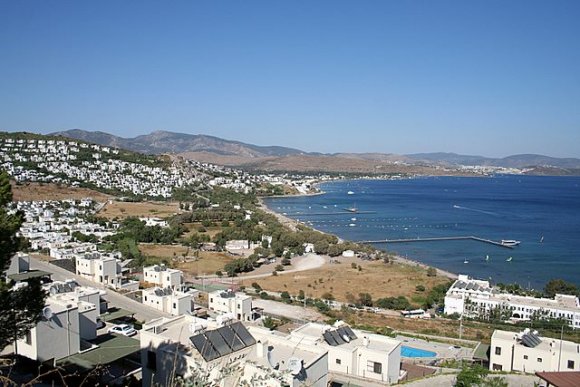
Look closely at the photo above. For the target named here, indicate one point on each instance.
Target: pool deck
(443, 350)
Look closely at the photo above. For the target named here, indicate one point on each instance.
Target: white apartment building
(353, 352)
(163, 276)
(169, 301)
(237, 304)
(103, 269)
(475, 298)
(184, 346)
(279, 361)
(58, 334)
(528, 352)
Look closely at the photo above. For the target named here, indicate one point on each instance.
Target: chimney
(261, 348)
(366, 341)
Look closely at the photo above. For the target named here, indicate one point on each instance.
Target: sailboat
(487, 258)
(465, 261)
(509, 259)
(542, 239)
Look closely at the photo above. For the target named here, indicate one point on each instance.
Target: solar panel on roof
(536, 339)
(329, 339)
(529, 342)
(339, 340)
(342, 332)
(231, 339)
(204, 347)
(350, 333)
(218, 342)
(243, 333)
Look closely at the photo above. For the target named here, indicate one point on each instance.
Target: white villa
(227, 353)
(105, 269)
(228, 302)
(476, 298)
(64, 323)
(163, 276)
(353, 353)
(169, 301)
(183, 346)
(528, 352)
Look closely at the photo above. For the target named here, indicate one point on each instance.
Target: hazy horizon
(472, 78)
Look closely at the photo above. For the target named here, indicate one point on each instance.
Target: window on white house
(570, 364)
(498, 350)
(375, 367)
(338, 361)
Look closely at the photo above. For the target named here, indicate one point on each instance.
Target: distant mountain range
(235, 153)
(169, 142)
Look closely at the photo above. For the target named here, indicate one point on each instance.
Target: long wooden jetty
(437, 239)
(330, 213)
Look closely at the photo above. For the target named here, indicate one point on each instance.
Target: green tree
(20, 309)
(473, 375)
(559, 286)
(365, 299)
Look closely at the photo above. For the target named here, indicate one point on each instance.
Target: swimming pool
(416, 352)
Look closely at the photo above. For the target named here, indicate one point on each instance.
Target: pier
(437, 239)
(330, 213)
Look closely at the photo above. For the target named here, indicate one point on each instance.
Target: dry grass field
(152, 209)
(377, 278)
(437, 327)
(38, 191)
(207, 263)
(163, 251)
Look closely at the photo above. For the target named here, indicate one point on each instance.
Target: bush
(256, 286)
(420, 288)
(431, 272)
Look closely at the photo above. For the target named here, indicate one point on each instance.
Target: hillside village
(118, 317)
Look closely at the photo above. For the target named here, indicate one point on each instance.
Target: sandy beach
(292, 225)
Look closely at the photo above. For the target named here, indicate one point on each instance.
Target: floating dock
(437, 239)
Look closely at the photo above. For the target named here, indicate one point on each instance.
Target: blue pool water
(416, 352)
(541, 212)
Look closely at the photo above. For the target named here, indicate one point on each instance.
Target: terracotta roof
(560, 379)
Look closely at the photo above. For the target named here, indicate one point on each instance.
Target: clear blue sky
(490, 78)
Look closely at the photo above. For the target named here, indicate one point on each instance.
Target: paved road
(142, 312)
(289, 311)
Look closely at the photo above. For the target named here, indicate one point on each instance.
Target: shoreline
(292, 224)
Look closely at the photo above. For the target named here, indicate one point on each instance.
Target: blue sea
(541, 212)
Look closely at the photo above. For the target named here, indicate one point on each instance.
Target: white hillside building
(168, 300)
(352, 352)
(103, 269)
(529, 352)
(184, 346)
(237, 304)
(475, 298)
(163, 276)
(58, 334)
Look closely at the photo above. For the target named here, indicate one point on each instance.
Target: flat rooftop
(314, 332)
(281, 349)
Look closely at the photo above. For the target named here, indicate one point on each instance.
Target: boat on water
(510, 242)
(487, 258)
(353, 219)
(350, 193)
(465, 261)
(509, 259)
(352, 225)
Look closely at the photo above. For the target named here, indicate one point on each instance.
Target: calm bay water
(541, 212)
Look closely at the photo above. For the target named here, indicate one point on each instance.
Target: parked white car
(123, 329)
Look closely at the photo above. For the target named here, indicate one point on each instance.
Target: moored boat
(510, 242)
